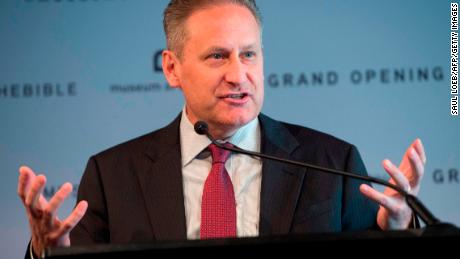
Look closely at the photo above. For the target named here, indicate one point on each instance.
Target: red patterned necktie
(218, 208)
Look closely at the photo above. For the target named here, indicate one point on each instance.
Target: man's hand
(47, 230)
(394, 213)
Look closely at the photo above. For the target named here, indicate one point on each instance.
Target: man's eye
(249, 54)
(216, 56)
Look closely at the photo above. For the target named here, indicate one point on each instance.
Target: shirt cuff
(31, 252)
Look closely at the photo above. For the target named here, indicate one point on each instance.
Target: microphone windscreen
(201, 127)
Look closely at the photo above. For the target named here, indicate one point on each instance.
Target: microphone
(414, 203)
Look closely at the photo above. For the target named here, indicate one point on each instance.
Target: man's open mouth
(236, 96)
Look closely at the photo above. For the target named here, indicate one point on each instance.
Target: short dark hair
(177, 12)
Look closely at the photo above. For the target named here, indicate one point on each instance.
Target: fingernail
(387, 163)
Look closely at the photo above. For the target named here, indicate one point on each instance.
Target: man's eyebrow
(248, 47)
(215, 49)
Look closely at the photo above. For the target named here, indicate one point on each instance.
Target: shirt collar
(246, 137)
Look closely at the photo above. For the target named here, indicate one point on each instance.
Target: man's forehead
(222, 10)
(222, 28)
(225, 16)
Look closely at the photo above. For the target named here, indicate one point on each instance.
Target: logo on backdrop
(438, 176)
(29, 90)
(327, 78)
(446, 176)
(368, 76)
(50, 190)
(154, 86)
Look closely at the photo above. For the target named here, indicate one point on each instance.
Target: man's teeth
(236, 96)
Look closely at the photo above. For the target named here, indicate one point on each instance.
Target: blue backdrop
(79, 76)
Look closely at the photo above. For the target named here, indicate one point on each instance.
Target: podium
(356, 244)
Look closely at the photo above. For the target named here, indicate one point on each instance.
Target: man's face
(221, 70)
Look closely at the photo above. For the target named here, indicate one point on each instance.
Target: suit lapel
(161, 185)
(281, 183)
(161, 182)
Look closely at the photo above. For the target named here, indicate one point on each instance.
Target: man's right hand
(47, 229)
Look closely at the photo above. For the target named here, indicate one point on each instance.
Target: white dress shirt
(245, 173)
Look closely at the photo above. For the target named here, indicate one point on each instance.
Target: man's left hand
(394, 213)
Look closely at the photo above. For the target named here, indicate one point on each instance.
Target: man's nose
(236, 73)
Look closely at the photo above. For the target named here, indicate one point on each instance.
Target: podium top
(390, 243)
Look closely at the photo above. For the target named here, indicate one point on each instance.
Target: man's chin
(236, 121)
(230, 124)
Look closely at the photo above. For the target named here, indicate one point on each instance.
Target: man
(155, 187)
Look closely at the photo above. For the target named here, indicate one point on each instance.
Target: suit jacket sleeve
(93, 227)
(358, 212)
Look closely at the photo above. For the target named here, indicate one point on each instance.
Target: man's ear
(171, 68)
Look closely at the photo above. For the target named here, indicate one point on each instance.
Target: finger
(386, 201)
(418, 145)
(43, 202)
(56, 201)
(26, 176)
(34, 194)
(72, 220)
(398, 177)
(417, 166)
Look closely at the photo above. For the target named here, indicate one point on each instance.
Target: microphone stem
(415, 204)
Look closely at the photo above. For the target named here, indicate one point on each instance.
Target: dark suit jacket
(135, 193)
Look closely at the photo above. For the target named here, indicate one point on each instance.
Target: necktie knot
(219, 155)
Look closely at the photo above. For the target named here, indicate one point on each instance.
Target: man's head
(177, 12)
(215, 57)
